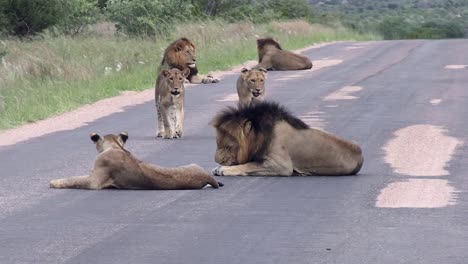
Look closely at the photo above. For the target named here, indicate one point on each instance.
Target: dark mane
(263, 116)
(261, 43)
(171, 49)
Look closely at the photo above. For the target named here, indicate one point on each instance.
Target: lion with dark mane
(272, 57)
(264, 139)
(181, 54)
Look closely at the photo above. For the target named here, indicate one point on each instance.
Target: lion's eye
(170, 78)
(252, 80)
(180, 79)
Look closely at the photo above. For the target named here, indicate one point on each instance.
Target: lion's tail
(215, 184)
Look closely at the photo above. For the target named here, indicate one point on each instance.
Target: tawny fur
(263, 139)
(251, 86)
(169, 97)
(272, 57)
(181, 54)
(117, 168)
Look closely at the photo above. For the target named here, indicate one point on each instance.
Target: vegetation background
(56, 55)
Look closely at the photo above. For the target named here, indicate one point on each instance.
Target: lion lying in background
(116, 168)
(251, 86)
(264, 139)
(272, 57)
(181, 54)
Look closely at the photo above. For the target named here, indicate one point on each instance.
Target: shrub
(28, 17)
(148, 17)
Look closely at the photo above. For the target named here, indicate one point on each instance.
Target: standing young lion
(251, 86)
(264, 139)
(272, 57)
(169, 96)
(181, 54)
(117, 168)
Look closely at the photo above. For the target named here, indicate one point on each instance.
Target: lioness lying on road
(116, 168)
(251, 86)
(264, 139)
(272, 57)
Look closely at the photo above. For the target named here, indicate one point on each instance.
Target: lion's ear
(123, 136)
(263, 70)
(94, 137)
(179, 47)
(244, 72)
(186, 72)
(165, 73)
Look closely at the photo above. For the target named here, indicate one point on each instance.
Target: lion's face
(174, 79)
(254, 80)
(109, 141)
(227, 148)
(187, 54)
(234, 143)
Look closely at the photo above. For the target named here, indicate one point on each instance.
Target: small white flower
(107, 70)
(141, 62)
(118, 67)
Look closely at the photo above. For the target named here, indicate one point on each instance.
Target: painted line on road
(233, 97)
(417, 193)
(343, 94)
(455, 66)
(421, 150)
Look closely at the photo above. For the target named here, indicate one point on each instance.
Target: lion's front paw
(210, 79)
(159, 134)
(178, 134)
(218, 171)
(169, 135)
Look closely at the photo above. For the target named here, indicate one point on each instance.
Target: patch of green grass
(52, 75)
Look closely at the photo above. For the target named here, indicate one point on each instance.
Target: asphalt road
(407, 108)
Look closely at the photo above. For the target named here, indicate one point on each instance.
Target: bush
(28, 17)
(148, 17)
(78, 15)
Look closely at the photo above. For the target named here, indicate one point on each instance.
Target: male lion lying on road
(181, 54)
(116, 168)
(264, 139)
(272, 57)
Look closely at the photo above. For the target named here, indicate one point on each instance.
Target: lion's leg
(94, 181)
(77, 182)
(180, 123)
(168, 122)
(267, 168)
(160, 131)
(203, 79)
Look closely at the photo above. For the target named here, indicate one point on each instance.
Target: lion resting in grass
(181, 54)
(251, 86)
(169, 97)
(265, 140)
(272, 57)
(116, 168)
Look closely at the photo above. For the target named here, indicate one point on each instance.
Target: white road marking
(421, 150)
(343, 94)
(417, 193)
(229, 98)
(455, 66)
(314, 119)
(435, 101)
(353, 47)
